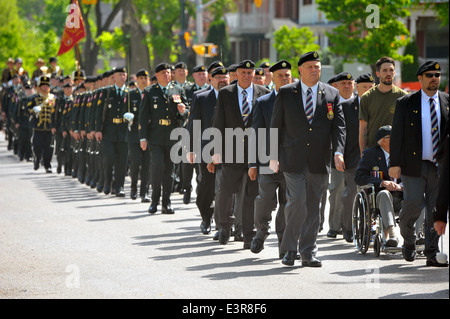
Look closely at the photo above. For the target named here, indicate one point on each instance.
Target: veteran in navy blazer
(309, 120)
(417, 134)
(234, 112)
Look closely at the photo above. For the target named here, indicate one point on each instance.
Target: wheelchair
(367, 224)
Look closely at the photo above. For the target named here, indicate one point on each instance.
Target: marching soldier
(139, 158)
(111, 129)
(66, 149)
(41, 106)
(162, 109)
(9, 105)
(22, 123)
(54, 67)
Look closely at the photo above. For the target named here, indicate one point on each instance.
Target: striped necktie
(309, 106)
(245, 107)
(434, 129)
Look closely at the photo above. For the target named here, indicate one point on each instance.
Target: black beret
(283, 64)
(308, 56)
(67, 85)
(132, 83)
(119, 69)
(332, 80)
(383, 131)
(264, 65)
(246, 64)
(106, 74)
(162, 66)
(181, 65)
(52, 59)
(142, 72)
(199, 68)
(343, 76)
(259, 71)
(367, 77)
(219, 70)
(428, 66)
(44, 80)
(232, 68)
(214, 65)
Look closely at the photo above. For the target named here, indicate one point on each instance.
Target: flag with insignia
(74, 30)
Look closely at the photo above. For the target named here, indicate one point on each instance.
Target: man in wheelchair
(373, 169)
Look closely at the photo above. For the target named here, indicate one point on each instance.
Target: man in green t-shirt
(378, 104)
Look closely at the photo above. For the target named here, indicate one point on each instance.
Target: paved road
(61, 239)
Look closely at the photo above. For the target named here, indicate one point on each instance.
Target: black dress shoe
(58, 169)
(432, 262)
(36, 165)
(238, 237)
(106, 190)
(153, 208)
(332, 233)
(216, 235)
(289, 258)
(205, 227)
(120, 192)
(313, 262)
(187, 196)
(99, 188)
(257, 245)
(133, 195)
(408, 253)
(224, 236)
(167, 210)
(348, 236)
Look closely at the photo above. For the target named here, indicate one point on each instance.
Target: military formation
(103, 128)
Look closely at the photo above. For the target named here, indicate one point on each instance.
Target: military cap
(245, 64)
(365, 78)
(142, 72)
(53, 75)
(132, 83)
(214, 65)
(383, 132)
(283, 64)
(232, 68)
(44, 80)
(106, 73)
(219, 70)
(78, 75)
(27, 85)
(119, 69)
(428, 66)
(308, 56)
(10, 60)
(67, 85)
(40, 61)
(332, 80)
(199, 68)
(264, 65)
(181, 65)
(52, 59)
(66, 77)
(343, 76)
(18, 60)
(162, 66)
(259, 71)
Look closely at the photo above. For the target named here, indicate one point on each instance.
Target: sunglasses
(430, 75)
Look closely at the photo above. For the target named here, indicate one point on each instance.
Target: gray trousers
(336, 189)
(303, 193)
(418, 193)
(266, 202)
(385, 203)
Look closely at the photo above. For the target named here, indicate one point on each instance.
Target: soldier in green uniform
(139, 158)
(41, 106)
(66, 149)
(111, 129)
(79, 77)
(163, 108)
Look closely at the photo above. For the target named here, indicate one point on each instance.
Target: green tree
(367, 31)
(409, 69)
(290, 43)
(218, 35)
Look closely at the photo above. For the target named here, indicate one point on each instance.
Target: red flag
(74, 30)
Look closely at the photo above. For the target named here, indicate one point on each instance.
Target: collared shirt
(215, 92)
(342, 99)
(314, 94)
(249, 91)
(122, 89)
(427, 144)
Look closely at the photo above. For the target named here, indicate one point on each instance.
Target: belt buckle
(164, 122)
(117, 121)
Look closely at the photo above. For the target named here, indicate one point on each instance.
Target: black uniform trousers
(115, 155)
(206, 193)
(139, 163)
(42, 147)
(161, 171)
(24, 142)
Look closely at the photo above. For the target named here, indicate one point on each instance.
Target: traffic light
(258, 3)
(213, 50)
(187, 38)
(199, 49)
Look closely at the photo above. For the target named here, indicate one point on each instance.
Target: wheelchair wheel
(361, 224)
(377, 242)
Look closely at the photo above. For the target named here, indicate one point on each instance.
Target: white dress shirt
(427, 145)
(249, 91)
(314, 94)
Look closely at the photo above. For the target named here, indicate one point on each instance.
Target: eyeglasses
(430, 75)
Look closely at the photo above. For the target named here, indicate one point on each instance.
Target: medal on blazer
(330, 114)
(176, 99)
